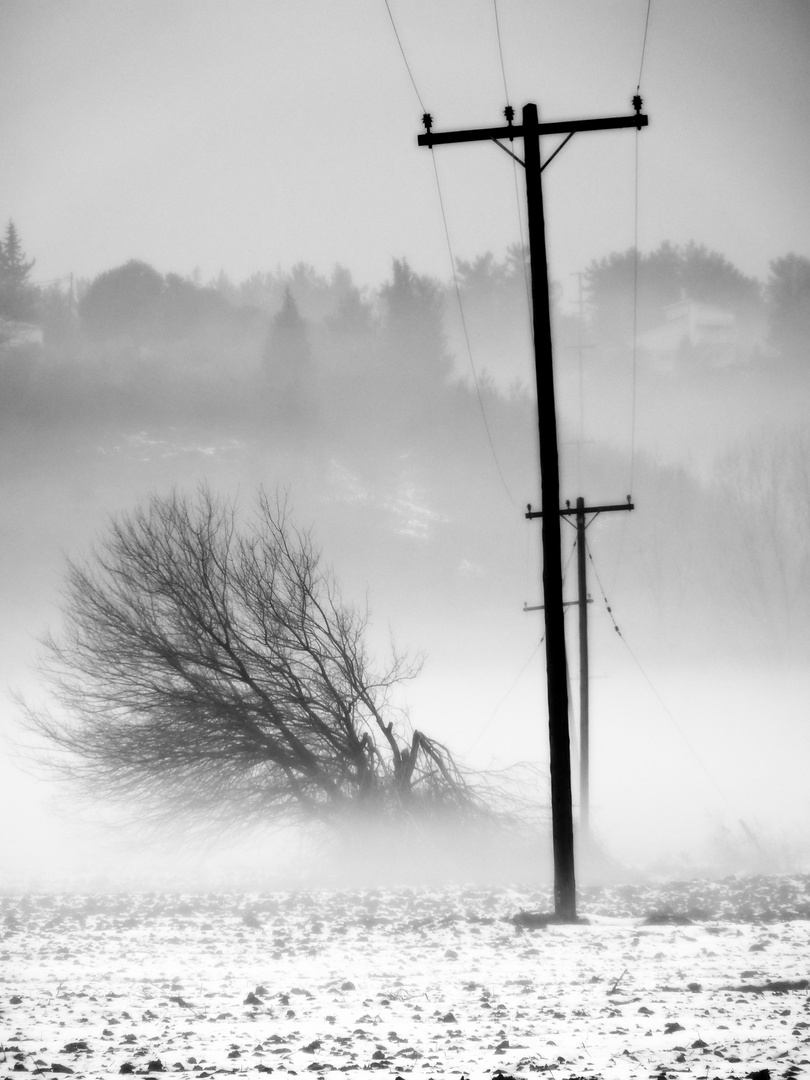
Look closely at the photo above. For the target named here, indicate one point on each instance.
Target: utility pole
(582, 602)
(565, 905)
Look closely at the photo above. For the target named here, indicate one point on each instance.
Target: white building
(694, 326)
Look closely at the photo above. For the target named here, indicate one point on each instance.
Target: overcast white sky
(244, 136)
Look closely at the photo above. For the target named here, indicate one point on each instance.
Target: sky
(216, 136)
(243, 137)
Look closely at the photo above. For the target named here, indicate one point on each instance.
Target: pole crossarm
(572, 510)
(566, 603)
(515, 131)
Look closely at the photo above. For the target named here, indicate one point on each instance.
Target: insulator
(509, 113)
(427, 120)
(637, 103)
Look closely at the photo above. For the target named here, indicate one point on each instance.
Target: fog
(293, 323)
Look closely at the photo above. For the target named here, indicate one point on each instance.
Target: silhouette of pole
(556, 674)
(562, 821)
(584, 693)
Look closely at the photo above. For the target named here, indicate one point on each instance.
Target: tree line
(212, 663)
(626, 293)
(135, 306)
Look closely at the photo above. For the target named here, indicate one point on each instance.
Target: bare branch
(211, 670)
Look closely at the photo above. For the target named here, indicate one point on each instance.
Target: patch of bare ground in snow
(695, 979)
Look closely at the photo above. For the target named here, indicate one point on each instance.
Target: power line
(500, 49)
(404, 57)
(456, 285)
(644, 43)
(634, 380)
(512, 686)
(515, 175)
(637, 101)
(466, 333)
(660, 699)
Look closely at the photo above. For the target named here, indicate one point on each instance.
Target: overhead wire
(466, 334)
(644, 44)
(457, 287)
(500, 50)
(465, 330)
(635, 257)
(512, 686)
(523, 669)
(518, 203)
(635, 325)
(635, 254)
(634, 360)
(404, 57)
(667, 711)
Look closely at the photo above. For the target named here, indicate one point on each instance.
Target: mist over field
(385, 385)
(358, 406)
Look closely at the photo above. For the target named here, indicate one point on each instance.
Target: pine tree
(288, 366)
(17, 296)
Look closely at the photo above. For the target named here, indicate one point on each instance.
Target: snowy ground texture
(402, 982)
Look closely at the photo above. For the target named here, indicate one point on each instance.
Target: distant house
(16, 335)
(690, 326)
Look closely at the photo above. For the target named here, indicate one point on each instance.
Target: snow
(401, 981)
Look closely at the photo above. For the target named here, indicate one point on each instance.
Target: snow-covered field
(420, 982)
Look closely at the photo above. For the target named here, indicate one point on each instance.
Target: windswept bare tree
(212, 672)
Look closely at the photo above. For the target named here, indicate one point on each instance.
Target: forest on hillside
(399, 389)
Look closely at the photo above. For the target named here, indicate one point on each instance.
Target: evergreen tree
(414, 331)
(123, 303)
(288, 364)
(351, 324)
(18, 297)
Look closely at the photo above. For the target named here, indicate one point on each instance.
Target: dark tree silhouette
(288, 366)
(186, 308)
(123, 303)
(788, 299)
(414, 330)
(211, 673)
(352, 321)
(18, 298)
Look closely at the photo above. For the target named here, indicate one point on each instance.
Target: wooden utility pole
(565, 905)
(582, 601)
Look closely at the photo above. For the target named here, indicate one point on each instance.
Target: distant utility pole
(565, 902)
(582, 601)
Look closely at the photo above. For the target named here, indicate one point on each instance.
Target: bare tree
(213, 673)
